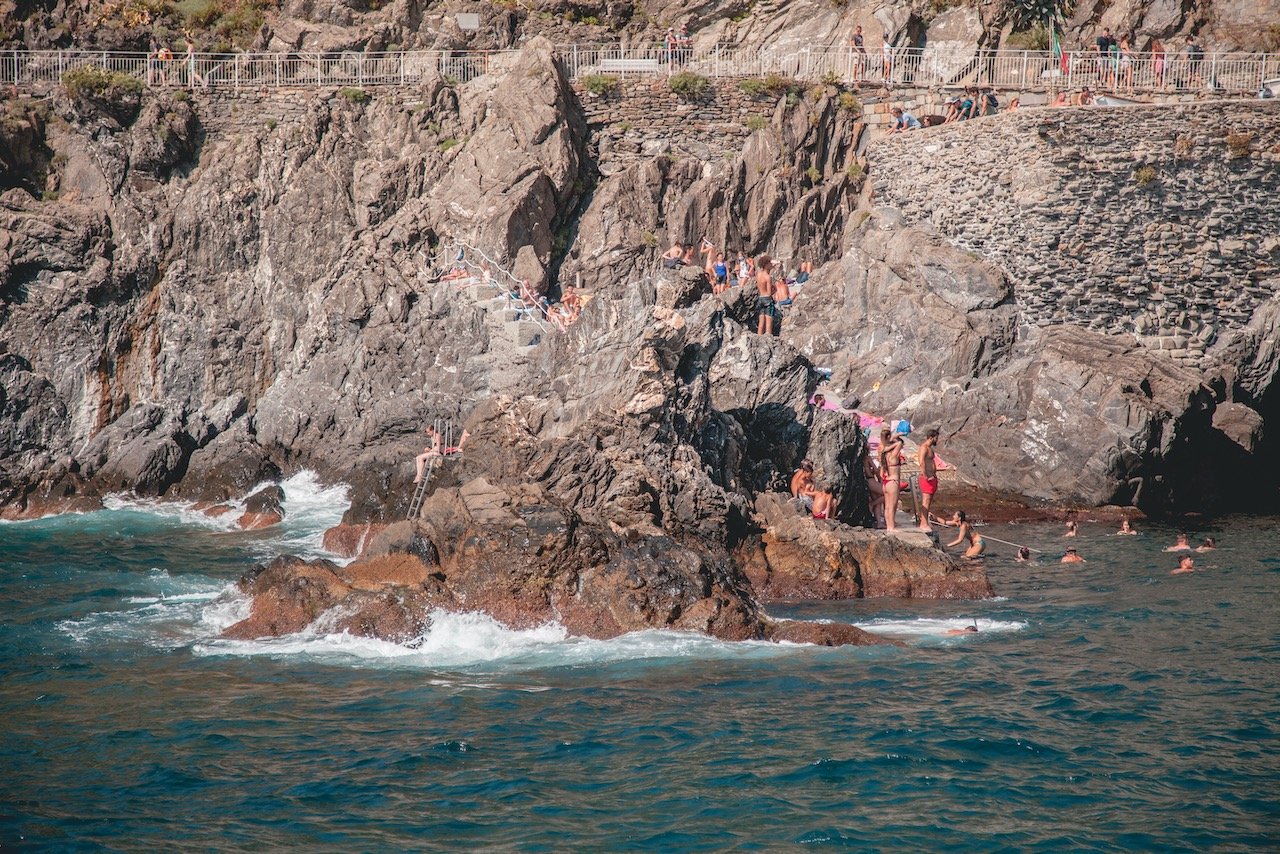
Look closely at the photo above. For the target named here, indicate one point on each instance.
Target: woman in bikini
(891, 461)
(875, 487)
(977, 545)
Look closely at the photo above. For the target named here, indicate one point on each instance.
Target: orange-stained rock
(800, 557)
(822, 634)
(350, 540)
(263, 509)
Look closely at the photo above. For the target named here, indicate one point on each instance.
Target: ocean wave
(465, 641)
(924, 628)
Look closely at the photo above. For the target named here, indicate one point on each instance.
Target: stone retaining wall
(643, 117)
(1156, 221)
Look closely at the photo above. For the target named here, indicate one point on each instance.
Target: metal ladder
(444, 429)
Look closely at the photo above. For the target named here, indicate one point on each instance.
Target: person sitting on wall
(903, 121)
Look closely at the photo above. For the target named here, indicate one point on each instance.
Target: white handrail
(1217, 73)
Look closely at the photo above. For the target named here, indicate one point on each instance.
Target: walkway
(1231, 74)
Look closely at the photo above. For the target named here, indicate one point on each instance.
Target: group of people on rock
(775, 290)
(523, 295)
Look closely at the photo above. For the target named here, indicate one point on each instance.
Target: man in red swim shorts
(928, 476)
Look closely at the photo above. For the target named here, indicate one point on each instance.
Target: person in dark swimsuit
(764, 297)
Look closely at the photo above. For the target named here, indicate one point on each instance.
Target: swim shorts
(928, 485)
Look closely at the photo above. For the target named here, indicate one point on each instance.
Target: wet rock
(263, 509)
(804, 558)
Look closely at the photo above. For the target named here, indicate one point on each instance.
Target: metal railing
(464, 264)
(1221, 73)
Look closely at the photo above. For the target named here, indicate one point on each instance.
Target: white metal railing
(1224, 73)
(477, 268)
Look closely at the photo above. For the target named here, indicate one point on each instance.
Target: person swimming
(1181, 545)
(967, 630)
(1072, 556)
(1125, 528)
(1072, 528)
(1024, 554)
(977, 545)
(1185, 564)
(1208, 545)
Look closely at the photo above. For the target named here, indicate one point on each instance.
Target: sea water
(1101, 706)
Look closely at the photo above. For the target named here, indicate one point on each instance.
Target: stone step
(525, 333)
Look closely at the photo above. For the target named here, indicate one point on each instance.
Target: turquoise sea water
(1105, 706)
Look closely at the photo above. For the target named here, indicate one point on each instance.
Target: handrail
(1218, 73)
(460, 253)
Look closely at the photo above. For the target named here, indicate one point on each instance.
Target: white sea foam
(180, 611)
(471, 641)
(934, 627)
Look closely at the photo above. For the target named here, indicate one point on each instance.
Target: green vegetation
(814, 175)
(600, 84)
(649, 239)
(855, 171)
(624, 126)
(1240, 144)
(849, 101)
(687, 84)
(86, 81)
(1029, 13)
(793, 98)
(451, 80)
(353, 95)
(271, 124)
(181, 96)
(446, 144)
(132, 13)
(1144, 175)
(755, 123)
(830, 78)
(1036, 38)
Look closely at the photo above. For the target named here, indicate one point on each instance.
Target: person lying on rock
(802, 484)
(806, 270)
(673, 257)
(822, 500)
(431, 450)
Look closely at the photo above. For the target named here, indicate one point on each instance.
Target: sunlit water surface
(1103, 706)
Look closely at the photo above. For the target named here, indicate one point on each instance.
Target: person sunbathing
(431, 450)
(674, 256)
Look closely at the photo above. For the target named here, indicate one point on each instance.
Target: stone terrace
(1158, 221)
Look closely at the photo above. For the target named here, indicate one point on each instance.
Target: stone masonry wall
(643, 117)
(1158, 221)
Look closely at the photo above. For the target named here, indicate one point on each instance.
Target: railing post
(401, 68)
(1023, 76)
(1213, 71)
(319, 70)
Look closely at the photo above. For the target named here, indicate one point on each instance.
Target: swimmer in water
(1185, 564)
(1181, 545)
(1125, 529)
(967, 630)
(1208, 545)
(1072, 528)
(977, 545)
(1024, 554)
(1072, 557)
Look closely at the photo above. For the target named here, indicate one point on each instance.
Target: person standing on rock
(891, 475)
(928, 462)
(764, 296)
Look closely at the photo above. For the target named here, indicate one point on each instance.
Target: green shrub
(1036, 38)
(849, 101)
(854, 171)
(813, 174)
(624, 126)
(271, 124)
(752, 87)
(86, 81)
(755, 123)
(446, 144)
(354, 95)
(599, 84)
(1144, 175)
(780, 85)
(182, 96)
(793, 98)
(687, 84)
(830, 78)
